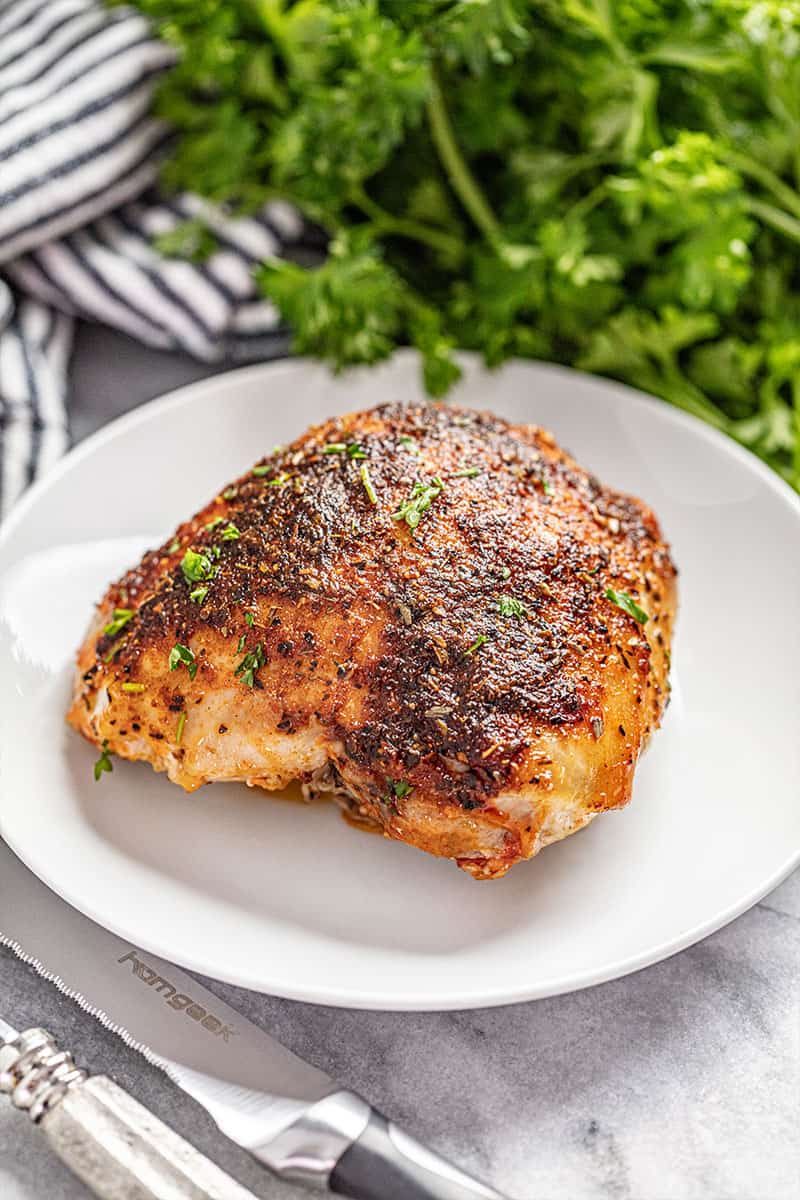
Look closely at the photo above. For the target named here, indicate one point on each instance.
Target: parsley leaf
(250, 665)
(609, 185)
(191, 240)
(349, 310)
(197, 567)
(627, 604)
(352, 449)
(368, 485)
(104, 762)
(397, 788)
(480, 640)
(182, 655)
(118, 621)
(422, 496)
(510, 606)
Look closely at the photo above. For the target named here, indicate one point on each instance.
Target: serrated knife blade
(293, 1117)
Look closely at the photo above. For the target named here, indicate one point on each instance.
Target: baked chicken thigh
(434, 616)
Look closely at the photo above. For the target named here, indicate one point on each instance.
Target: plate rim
(418, 1001)
(415, 1000)
(177, 396)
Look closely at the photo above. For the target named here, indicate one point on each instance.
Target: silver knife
(291, 1116)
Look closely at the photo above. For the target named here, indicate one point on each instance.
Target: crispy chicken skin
(466, 685)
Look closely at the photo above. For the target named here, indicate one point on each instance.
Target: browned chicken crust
(464, 682)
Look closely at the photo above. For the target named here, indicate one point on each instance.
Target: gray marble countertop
(681, 1082)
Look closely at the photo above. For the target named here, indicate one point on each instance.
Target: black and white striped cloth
(79, 211)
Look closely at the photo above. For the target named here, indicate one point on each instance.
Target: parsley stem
(743, 163)
(642, 126)
(597, 16)
(775, 217)
(459, 174)
(386, 222)
(581, 208)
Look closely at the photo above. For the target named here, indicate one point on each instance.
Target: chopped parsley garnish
(467, 473)
(352, 449)
(480, 640)
(199, 594)
(396, 789)
(408, 441)
(506, 573)
(104, 762)
(118, 622)
(230, 533)
(179, 730)
(422, 496)
(241, 645)
(278, 481)
(230, 493)
(174, 545)
(213, 524)
(547, 487)
(510, 606)
(182, 655)
(367, 482)
(197, 567)
(250, 664)
(627, 604)
(133, 687)
(261, 471)
(250, 619)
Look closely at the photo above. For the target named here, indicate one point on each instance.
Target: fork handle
(122, 1152)
(117, 1147)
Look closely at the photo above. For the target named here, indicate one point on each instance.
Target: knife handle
(109, 1140)
(384, 1163)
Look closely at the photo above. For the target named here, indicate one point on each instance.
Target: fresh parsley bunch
(611, 184)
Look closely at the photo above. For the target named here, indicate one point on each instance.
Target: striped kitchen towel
(81, 219)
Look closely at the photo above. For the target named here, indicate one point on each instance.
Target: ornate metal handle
(118, 1148)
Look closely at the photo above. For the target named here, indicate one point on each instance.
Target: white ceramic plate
(290, 900)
